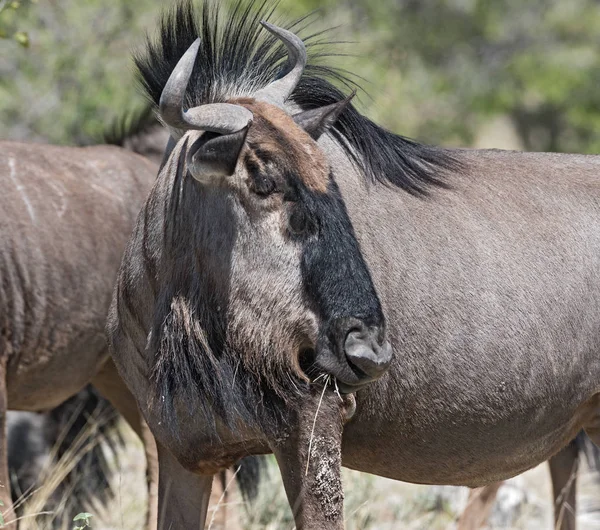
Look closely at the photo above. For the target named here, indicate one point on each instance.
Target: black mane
(237, 57)
(130, 124)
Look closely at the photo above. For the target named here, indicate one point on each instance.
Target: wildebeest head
(277, 260)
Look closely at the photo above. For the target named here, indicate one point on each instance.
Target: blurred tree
(76, 73)
(6, 21)
(442, 67)
(436, 69)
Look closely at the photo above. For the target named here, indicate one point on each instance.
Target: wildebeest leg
(563, 471)
(111, 386)
(7, 508)
(309, 458)
(480, 503)
(182, 496)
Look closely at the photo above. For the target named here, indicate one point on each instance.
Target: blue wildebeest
(286, 232)
(142, 133)
(37, 441)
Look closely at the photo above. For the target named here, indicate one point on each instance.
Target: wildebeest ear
(317, 121)
(215, 155)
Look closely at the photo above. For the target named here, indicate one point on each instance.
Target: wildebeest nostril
(307, 359)
(364, 353)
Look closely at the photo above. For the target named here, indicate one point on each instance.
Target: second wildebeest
(287, 236)
(66, 215)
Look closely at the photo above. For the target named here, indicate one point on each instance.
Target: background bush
(437, 70)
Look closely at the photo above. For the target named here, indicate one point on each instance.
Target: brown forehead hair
(274, 136)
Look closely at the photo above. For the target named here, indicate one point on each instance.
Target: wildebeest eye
(262, 185)
(298, 221)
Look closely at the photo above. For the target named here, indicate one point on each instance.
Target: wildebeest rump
(486, 264)
(65, 209)
(35, 439)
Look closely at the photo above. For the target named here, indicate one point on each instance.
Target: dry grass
(127, 509)
(372, 503)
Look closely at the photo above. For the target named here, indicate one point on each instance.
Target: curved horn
(221, 118)
(281, 89)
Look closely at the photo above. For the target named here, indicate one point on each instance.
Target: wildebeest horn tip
(222, 118)
(281, 89)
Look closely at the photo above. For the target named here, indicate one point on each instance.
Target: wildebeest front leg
(182, 496)
(309, 459)
(480, 503)
(7, 508)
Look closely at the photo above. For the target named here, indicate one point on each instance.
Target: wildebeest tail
(129, 124)
(140, 132)
(85, 428)
(249, 472)
(68, 452)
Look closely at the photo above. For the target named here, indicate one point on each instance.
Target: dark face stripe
(334, 272)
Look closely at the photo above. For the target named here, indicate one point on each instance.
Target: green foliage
(7, 18)
(77, 72)
(452, 64)
(82, 520)
(435, 69)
